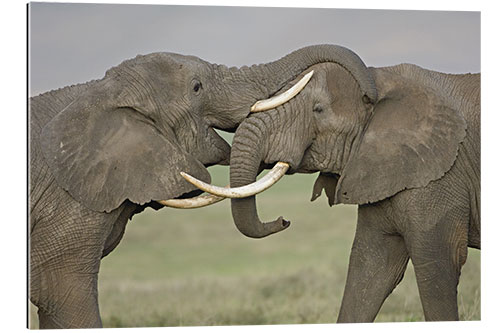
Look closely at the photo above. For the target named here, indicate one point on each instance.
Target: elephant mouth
(314, 159)
(224, 161)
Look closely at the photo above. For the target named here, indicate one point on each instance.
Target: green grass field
(192, 267)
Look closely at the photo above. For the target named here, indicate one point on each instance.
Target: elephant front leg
(65, 256)
(72, 303)
(377, 264)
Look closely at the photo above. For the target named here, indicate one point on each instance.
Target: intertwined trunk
(237, 89)
(283, 136)
(251, 140)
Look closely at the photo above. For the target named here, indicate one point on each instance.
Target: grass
(192, 267)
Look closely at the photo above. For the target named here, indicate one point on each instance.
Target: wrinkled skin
(410, 159)
(105, 150)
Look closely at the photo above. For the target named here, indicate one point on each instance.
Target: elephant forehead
(160, 57)
(155, 66)
(340, 81)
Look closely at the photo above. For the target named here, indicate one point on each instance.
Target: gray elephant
(105, 150)
(401, 142)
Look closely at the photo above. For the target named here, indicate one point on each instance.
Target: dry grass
(181, 267)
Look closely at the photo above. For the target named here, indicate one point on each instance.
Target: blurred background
(192, 267)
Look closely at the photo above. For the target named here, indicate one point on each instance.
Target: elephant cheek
(309, 162)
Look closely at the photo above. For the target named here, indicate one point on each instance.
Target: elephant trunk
(245, 166)
(241, 87)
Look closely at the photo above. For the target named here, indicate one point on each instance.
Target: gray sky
(73, 43)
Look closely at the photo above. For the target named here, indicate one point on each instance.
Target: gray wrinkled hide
(412, 139)
(104, 155)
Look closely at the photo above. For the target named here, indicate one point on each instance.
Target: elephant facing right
(401, 142)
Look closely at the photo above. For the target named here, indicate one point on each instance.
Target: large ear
(103, 154)
(412, 138)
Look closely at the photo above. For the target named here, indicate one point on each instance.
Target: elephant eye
(318, 108)
(197, 86)
(366, 100)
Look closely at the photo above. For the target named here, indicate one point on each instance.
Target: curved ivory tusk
(196, 202)
(243, 191)
(271, 103)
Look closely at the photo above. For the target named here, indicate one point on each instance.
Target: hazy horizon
(73, 43)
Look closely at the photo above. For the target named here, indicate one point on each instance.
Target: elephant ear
(412, 138)
(104, 153)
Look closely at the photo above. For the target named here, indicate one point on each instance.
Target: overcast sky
(73, 43)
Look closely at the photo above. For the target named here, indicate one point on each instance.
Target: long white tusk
(243, 191)
(271, 103)
(196, 202)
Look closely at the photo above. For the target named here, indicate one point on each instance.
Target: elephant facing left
(402, 143)
(101, 152)
(105, 150)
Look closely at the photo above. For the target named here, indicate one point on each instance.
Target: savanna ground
(192, 267)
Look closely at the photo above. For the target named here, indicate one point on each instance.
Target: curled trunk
(245, 166)
(259, 139)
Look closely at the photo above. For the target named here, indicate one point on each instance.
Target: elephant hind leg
(438, 255)
(376, 266)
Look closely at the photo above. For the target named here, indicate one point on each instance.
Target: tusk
(243, 191)
(271, 103)
(196, 202)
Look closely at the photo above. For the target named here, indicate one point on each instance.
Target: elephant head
(369, 132)
(128, 135)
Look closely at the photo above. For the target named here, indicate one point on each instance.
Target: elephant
(103, 151)
(402, 143)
